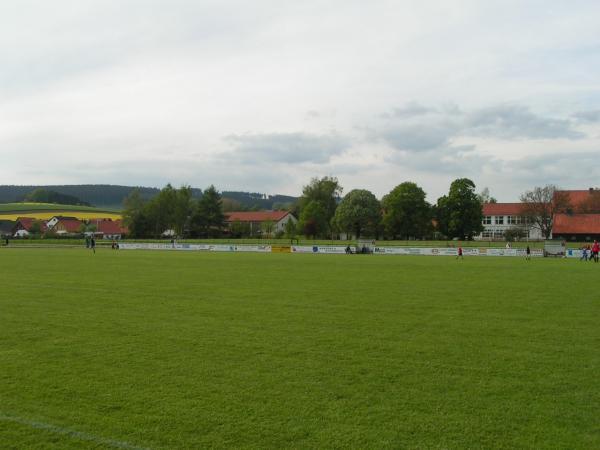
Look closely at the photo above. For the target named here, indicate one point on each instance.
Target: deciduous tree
(406, 213)
(459, 214)
(313, 220)
(326, 192)
(359, 213)
(209, 219)
(541, 204)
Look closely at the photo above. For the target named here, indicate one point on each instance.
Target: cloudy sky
(264, 95)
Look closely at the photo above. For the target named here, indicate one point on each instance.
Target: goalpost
(555, 248)
(365, 246)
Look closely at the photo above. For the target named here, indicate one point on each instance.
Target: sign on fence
(340, 249)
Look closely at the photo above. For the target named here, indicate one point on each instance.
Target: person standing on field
(460, 253)
(528, 253)
(93, 244)
(595, 250)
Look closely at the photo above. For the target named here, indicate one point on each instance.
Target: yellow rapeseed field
(45, 215)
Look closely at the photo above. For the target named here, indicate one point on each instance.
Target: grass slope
(195, 350)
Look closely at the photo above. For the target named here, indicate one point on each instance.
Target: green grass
(197, 350)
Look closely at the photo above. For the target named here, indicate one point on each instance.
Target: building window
(487, 220)
(499, 220)
(515, 220)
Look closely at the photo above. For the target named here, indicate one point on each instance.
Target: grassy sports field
(194, 350)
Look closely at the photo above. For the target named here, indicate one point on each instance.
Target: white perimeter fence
(333, 249)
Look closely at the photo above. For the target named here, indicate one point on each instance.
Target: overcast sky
(263, 95)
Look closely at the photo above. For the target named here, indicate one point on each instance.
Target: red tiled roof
(27, 222)
(108, 226)
(70, 225)
(255, 216)
(576, 224)
(502, 209)
(576, 198)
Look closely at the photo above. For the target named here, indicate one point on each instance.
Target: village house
(24, 225)
(108, 228)
(501, 217)
(581, 220)
(576, 227)
(256, 220)
(67, 226)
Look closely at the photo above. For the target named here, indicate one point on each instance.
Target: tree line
(322, 212)
(175, 211)
(403, 213)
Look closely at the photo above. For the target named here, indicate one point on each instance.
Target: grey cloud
(590, 116)
(513, 121)
(556, 168)
(456, 160)
(411, 109)
(287, 147)
(436, 128)
(418, 137)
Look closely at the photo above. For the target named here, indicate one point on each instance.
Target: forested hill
(111, 196)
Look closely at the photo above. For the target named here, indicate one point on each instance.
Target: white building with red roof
(257, 219)
(500, 217)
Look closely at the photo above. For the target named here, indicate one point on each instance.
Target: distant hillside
(254, 200)
(46, 196)
(111, 196)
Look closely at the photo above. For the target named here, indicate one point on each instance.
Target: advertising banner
(197, 247)
(320, 249)
(340, 249)
(571, 253)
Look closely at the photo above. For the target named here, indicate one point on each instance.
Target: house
(500, 217)
(576, 227)
(67, 225)
(108, 229)
(257, 220)
(24, 224)
(580, 221)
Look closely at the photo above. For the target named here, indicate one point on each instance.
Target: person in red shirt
(595, 250)
(460, 253)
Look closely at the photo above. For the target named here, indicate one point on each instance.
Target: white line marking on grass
(69, 432)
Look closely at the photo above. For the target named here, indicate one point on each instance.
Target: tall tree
(135, 215)
(459, 214)
(359, 213)
(209, 219)
(313, 220)
(406, 213)
(541, 204)
(325, 191)
(161, 210)
(182, 210)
